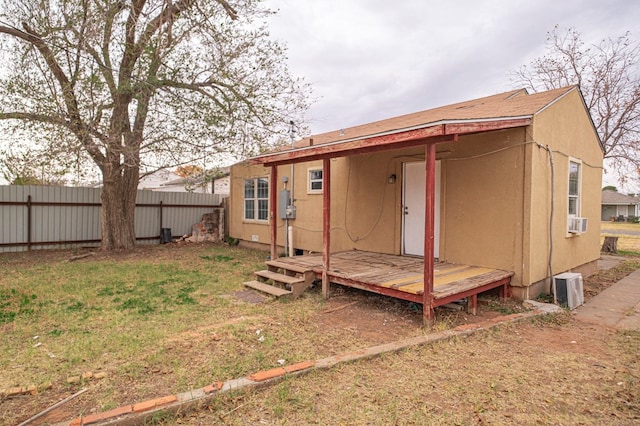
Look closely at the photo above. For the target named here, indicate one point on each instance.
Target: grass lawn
(166, 319)
(159, 320)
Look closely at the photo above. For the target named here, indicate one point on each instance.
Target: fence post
(29, 223)
(161, 221)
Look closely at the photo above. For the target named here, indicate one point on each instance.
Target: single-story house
(619, 207)
(157, 179)
(168, 181)
(436, 205)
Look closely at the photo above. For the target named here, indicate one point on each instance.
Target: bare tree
(136, 84)
(608, 74)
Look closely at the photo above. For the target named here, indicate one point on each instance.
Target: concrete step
(266, 288)
(280, 278)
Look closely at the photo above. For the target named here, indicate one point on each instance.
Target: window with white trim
(256, 199)
(575, 169)
(315, 181)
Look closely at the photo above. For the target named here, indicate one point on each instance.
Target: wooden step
(288, 266)
(280, 278)
(266, 288)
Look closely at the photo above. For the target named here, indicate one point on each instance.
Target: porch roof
(444, 124)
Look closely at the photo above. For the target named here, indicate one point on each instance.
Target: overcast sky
(373, 59)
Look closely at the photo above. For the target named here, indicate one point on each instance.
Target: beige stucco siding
(483, 201)
(308, 222)
(239, 228)
(363, 205)
(566, 130)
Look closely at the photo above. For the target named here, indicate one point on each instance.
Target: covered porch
(418, 281)
(402, 277)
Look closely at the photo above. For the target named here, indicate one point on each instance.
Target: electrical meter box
(285, 209)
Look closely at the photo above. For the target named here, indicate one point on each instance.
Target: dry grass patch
(541, 372)
(628, 236)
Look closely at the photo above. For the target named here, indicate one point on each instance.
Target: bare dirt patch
(381, 319)
(601, 280)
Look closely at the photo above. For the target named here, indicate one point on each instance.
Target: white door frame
(413, 205)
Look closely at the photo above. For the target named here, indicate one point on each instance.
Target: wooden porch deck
(402, 276)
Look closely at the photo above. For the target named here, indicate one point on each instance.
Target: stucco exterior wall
(482, 210)
(239, 228)
(566, 130)
(309, 214)
(364, 205)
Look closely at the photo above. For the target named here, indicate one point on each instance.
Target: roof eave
(436, 132)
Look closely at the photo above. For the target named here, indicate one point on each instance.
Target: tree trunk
(610, 245)
(118, 210)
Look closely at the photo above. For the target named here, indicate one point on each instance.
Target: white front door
(413, 195)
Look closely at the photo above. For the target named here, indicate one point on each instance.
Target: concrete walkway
(618, 306)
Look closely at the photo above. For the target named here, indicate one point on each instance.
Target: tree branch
(86, 141)
(194, 87)
(75, 123)
(233, 14)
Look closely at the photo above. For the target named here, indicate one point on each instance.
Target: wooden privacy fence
(38, 217)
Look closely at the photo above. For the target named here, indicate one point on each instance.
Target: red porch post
(429, 218)
(273, 202)
(326, 225)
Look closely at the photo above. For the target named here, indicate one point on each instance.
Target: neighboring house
(156, 180)
(619, 207)
(168, 181)
(196, 185)
(506, 183)
(152, 181)
(222, 181)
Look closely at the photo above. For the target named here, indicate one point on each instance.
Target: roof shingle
(516, 103)
(615, 198)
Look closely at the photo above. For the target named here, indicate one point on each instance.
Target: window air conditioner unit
(577, 225)
(569, 289)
